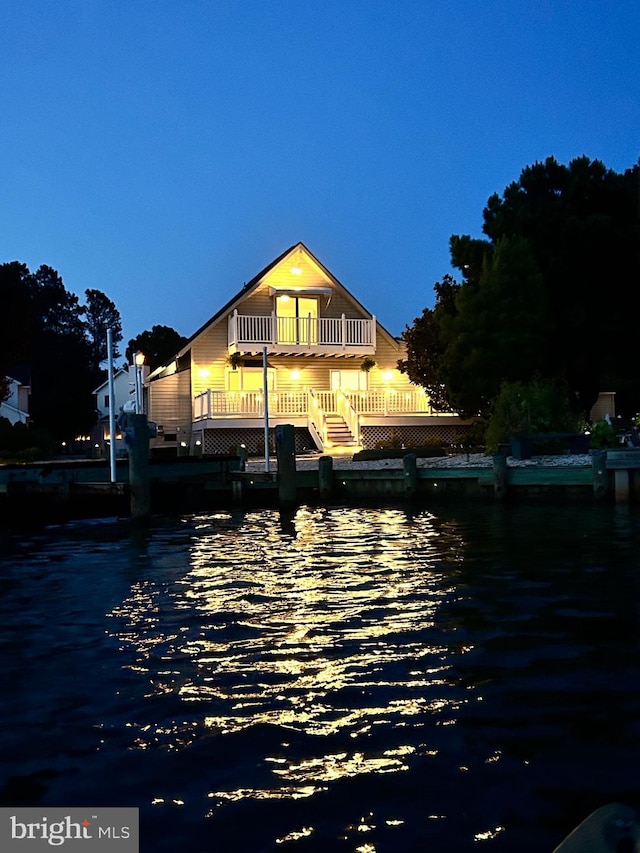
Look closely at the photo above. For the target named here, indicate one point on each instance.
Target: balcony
(302, 335)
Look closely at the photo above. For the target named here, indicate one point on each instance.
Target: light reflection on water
(336, 632)
(358, 679)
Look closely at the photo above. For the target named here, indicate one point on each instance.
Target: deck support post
(286, 455)
(410, 468)
(325, 477)
(139, 486)
(500, 475)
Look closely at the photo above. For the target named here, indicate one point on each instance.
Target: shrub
(603, 435)
(539, 406)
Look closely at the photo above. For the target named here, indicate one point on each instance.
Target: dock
(83, 487)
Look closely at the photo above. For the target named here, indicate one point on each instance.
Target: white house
(124, 387)
(332, 371)
(16, 407)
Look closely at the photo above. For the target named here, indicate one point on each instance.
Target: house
(331, 371)
(16, 407)
(124, 391)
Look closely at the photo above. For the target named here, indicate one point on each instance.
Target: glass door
(297, 318)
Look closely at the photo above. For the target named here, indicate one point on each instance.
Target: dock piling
(600, 473)
(286, 455)
(325, 477)
(137, 435)
(410, 467)
(500, 475)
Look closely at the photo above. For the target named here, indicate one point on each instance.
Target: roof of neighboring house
(104, 384)
(253, 284)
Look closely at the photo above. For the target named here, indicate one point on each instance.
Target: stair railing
(348, 415)
(317, 421)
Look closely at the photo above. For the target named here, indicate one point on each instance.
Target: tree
(14, 319)
(425, 348)
(159, 345)
(59, 355)
(546, 294)
(43, 328)
(101, 314)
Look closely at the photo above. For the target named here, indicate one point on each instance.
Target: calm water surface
(342, 679)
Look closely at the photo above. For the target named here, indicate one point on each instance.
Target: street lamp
(139, 361)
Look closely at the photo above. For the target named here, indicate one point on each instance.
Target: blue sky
(165, 151)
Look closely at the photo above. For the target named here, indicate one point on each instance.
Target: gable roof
(105, 383)
(250, 286)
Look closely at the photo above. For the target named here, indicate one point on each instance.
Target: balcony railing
(295, 334)
(234, 404)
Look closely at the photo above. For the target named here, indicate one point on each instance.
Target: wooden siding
(170, 401)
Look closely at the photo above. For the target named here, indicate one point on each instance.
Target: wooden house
(331, 371)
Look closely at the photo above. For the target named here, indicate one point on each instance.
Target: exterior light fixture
(139, 361)
(295, 374)
(387, 375)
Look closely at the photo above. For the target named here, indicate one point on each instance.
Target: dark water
(364, 680)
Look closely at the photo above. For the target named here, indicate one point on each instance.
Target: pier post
(500, 475)
(622, 484)
(236, 492)
(410, 467)
(286, 455)
(600, 473)
(138, 446)
(325, 477)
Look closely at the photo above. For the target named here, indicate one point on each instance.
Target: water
(351, 679)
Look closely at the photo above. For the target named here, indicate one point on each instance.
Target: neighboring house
(124, 392)
(16, 407)
(604, 405)
(331, 372)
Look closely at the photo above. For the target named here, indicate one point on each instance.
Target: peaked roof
(250, 286)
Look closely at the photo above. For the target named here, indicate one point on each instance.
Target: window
(106, 401)
(348, 380)
(250, 379)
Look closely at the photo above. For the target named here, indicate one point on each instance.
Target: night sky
(165, 151)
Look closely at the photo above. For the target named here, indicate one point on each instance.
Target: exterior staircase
(340, 439)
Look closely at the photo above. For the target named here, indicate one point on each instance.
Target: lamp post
(139, 361)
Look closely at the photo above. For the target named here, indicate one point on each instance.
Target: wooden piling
(600, 474)
(286, 455)
(410, 467)
(325, 477)
(500, 475)
(138, 447)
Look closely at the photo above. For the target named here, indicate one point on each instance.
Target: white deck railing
(391, 402)
(341, 333)
(350, 405)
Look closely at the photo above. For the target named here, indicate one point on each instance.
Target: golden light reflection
(295, 835)
(332, 630)
(489, 834)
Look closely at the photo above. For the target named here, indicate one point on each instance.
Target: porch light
(387, 375)
(296, 270)
(203, 373)
(294, 374)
